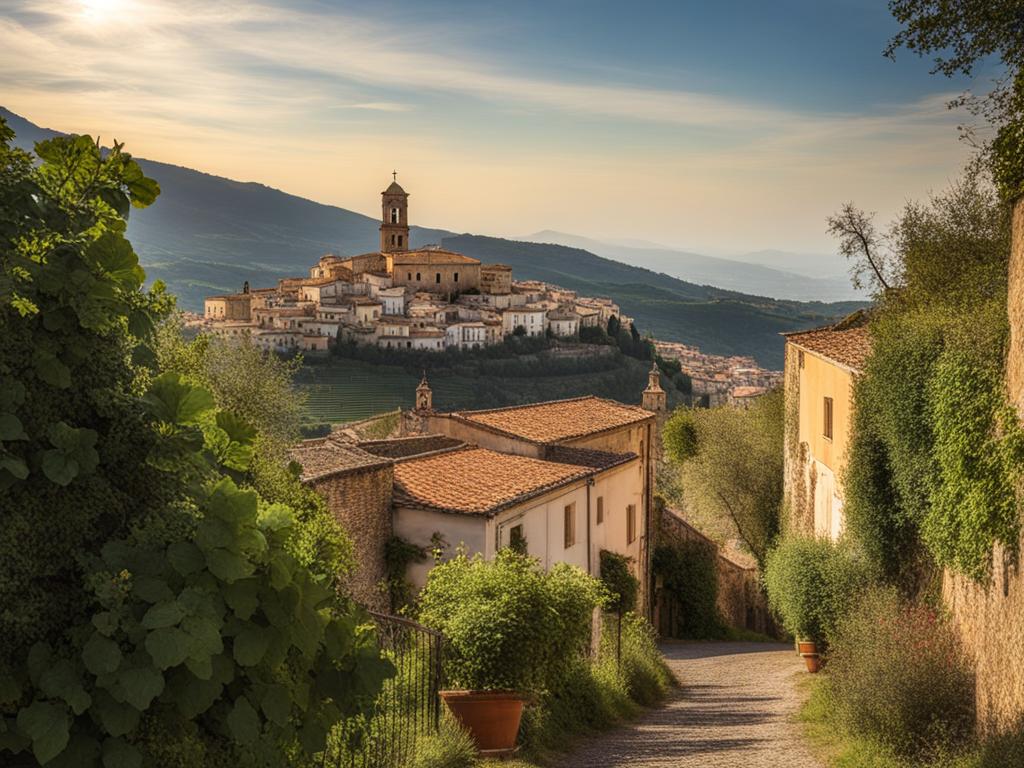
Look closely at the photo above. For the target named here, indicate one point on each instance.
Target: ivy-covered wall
(990, 617)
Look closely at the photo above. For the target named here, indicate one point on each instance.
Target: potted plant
(493, 615)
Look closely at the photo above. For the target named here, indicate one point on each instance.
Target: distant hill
(207, 234)
(717, 320)
(760, 273)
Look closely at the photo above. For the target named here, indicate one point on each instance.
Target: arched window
(394, 215)
(417, 277)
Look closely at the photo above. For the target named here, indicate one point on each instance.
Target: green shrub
(640, 668)
(689, 573)
(507, 624)
(813, 582)
(619, 580)
(899, 676)
(450, 747)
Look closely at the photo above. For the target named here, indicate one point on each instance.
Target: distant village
(400, 298)
(435, 299)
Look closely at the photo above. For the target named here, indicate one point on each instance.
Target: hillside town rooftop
(327, 456)
(847, 346)
(557, 420)
(432, 256)
(478, 480)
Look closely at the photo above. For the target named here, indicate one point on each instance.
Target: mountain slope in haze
(719, 321)
(208, 234)
(760, 274)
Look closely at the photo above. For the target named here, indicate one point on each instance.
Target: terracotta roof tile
(478, 480)
(558, 420)
(586, 457)
(432, 256)
(849, 347)
(326, 456)
(405, 447)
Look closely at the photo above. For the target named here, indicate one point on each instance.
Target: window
(437, 278)
(631, 523)
(456, 277)
(600, 509)
(417, 277)
(570, 524)
(409, 277)
(400, 241)
(828, 418)
(392, 239)
(394, 215)
(516, 540)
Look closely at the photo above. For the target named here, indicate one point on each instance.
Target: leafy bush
(813, 582)
(507, 624)
(450, 747)
(155, 612)
(689, 573)
(899, 676)
(640, 669)
(619, 580)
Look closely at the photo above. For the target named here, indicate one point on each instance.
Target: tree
(961, 35)
(860, 242)
(613, 326)
(731, 467)
(154, 609)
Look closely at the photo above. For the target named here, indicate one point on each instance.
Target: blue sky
(718, 126)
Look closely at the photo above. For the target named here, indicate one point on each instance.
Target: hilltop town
(722, 379)
(399, 297)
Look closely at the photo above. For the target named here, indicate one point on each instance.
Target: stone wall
(361, 501)
(990, 617)
(741, 601)
(799, 480)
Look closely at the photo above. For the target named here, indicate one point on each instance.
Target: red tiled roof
(478, 480)
(558, 420)
(326, 456)
(849, 347)
(432, 257)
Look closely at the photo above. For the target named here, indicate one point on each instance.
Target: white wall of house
(533, 320)
(543, 524)
(418, 526)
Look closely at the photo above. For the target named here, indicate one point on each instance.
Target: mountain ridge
(208, 234)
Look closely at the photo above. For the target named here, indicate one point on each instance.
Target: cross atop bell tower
(394, 223)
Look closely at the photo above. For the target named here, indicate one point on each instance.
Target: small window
(409, 276)
(400, 241)
(631, 523)
(394, 215)
(600, 509)
(828, 418)
(570, 525)
(516, 539)
(392, 239)
(417, 277)
(437, 278)
(456, 277)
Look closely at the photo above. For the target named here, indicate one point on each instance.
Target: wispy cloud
(253, 81)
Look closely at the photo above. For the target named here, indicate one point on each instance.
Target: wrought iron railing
(408, 707)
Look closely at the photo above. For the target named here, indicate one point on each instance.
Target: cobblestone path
(735, 709)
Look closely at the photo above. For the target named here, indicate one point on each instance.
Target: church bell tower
(394, 223)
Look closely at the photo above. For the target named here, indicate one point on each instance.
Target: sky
(721, 127)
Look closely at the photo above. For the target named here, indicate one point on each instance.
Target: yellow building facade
(821, 368)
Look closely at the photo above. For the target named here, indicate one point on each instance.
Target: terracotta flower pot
(491, 717)
(806, 646)
(813, 662)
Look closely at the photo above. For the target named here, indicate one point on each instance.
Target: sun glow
(96, 10)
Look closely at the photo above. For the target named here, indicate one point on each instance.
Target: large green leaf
(168, 646)
(163, 614)
(242, 597)
(101, 655)
(231, 504)
(51, 370)
(62, 681)
(140, 685)
(48, 725)
(251, 644)
(276, 704)
(73, 453)
(11, 428)
(112, 253)
(228, 566)
(172, 400)
(117, 718)
(185, 557)
(118, 753)
(243, 722)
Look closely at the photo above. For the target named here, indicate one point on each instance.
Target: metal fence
(408, 707)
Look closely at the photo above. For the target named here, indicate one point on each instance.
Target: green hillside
(208, 234)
